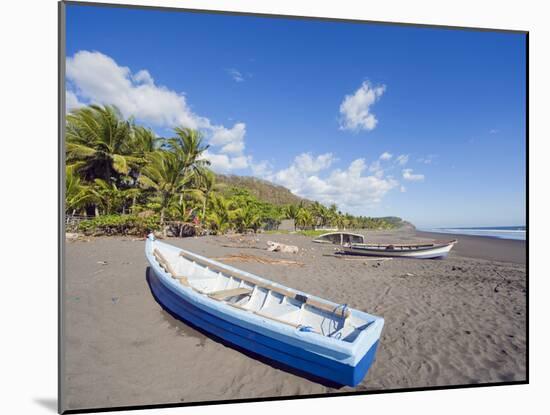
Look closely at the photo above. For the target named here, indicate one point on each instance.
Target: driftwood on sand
(278, 247)
(261, 260)
(351, 258)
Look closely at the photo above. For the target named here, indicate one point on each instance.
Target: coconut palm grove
(121, 178)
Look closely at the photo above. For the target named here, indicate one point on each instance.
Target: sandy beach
(447, 322)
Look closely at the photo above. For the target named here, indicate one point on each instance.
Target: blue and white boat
(313, 336)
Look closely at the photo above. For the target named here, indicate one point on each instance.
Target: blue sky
(426, 124)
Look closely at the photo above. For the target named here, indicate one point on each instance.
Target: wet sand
(456, 321)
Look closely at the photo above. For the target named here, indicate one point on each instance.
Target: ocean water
(503, 232)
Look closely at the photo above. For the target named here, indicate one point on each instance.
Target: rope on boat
(308, 329)
(336, 332)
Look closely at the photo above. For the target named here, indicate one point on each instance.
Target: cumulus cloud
(309, 164)
(376, 168)
(231, 140)
(261, 169)
(97, 78)
(402, 159)
(386, 156)
(352, 189)
(410, 176)
(223, 163)
(355, 109)
(143, 77)
(71, 101)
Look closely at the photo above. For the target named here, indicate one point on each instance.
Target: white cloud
(309, 164)
(261, 169)
(71, 101)
(355, 109)
(402, 189)
(493, 131)
(236, 75)
(351, 189)
(410, 176)
(143, 77)
(96, 78)
(386, 156)
(99, 79)
(231, 140)
(402, 159)
(223, 163)
(376, 168)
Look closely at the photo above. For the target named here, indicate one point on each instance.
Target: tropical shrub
(119, 225)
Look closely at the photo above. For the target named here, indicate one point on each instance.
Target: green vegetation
(125, 180)
(120, 225)
(261, 189)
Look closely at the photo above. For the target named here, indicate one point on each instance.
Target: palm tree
(332, 214)
(340, 221)
(131, 195)
(206, 184)
(291, 212)
(108, 195)
(247, 217)
(181, 212)
(145, 140)
(315, 210)
(165, 174)
(189, 148)
(350, 221)
(321, 214)
(304, 218)
(221, 213)
(98, 143)
(77, 195)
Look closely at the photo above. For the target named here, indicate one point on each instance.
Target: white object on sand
(278, 247)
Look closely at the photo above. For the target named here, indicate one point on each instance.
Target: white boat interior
(261, 297)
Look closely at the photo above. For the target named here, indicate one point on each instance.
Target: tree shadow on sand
(273, 363)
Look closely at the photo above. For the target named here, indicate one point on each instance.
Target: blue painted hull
(290, 356)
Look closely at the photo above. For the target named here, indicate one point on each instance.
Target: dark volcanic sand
(456, 321)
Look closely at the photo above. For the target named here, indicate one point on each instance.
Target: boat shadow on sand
(274, 364)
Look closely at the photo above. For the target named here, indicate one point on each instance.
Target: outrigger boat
(436, 249)
(314, 336)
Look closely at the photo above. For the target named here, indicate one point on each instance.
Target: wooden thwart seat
(287, 293)
(259, 313)
(225, 294)
(163, 262)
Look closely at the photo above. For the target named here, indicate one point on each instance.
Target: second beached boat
(314, 336)
(353, 243)
(434, 250)
(339, 238)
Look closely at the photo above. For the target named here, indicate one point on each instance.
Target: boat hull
(286, 354)
(438, 252)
